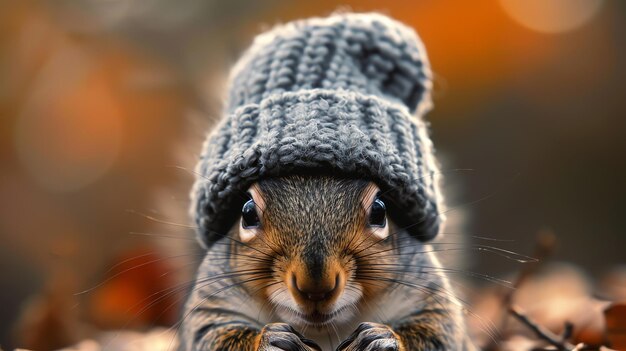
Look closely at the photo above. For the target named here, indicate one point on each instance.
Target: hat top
(366, 53)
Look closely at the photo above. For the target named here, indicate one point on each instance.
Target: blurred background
(104, 104)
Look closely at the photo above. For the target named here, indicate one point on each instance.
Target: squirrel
(315, 261)
(316, 197)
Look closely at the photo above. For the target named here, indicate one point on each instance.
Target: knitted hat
(342, 95)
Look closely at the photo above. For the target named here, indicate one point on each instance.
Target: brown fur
(314, 241)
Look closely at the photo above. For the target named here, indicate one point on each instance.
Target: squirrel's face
(310, 244)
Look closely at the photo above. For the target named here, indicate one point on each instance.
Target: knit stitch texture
(342, 95)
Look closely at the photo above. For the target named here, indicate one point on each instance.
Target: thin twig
(541, 332)
(544, 247)
(545, 244)
(568, 331)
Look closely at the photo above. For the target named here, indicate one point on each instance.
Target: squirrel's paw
(282, 337)
(372, 337)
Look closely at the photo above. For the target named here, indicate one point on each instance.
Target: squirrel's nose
(316, 290)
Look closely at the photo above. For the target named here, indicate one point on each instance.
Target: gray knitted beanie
(342, 95)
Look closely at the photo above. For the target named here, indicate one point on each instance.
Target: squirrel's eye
(378, 217)
(249, 217)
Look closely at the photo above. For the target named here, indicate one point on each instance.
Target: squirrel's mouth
(317, 318)
(322, 314)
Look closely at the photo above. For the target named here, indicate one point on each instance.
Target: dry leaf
(138, 292)
(616, 325)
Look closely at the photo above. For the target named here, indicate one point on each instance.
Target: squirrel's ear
(368, 195)
(257, 196)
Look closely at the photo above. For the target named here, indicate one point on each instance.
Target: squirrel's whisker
(130, 269)
(511, 255)
(189, 238)
(433, 270)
